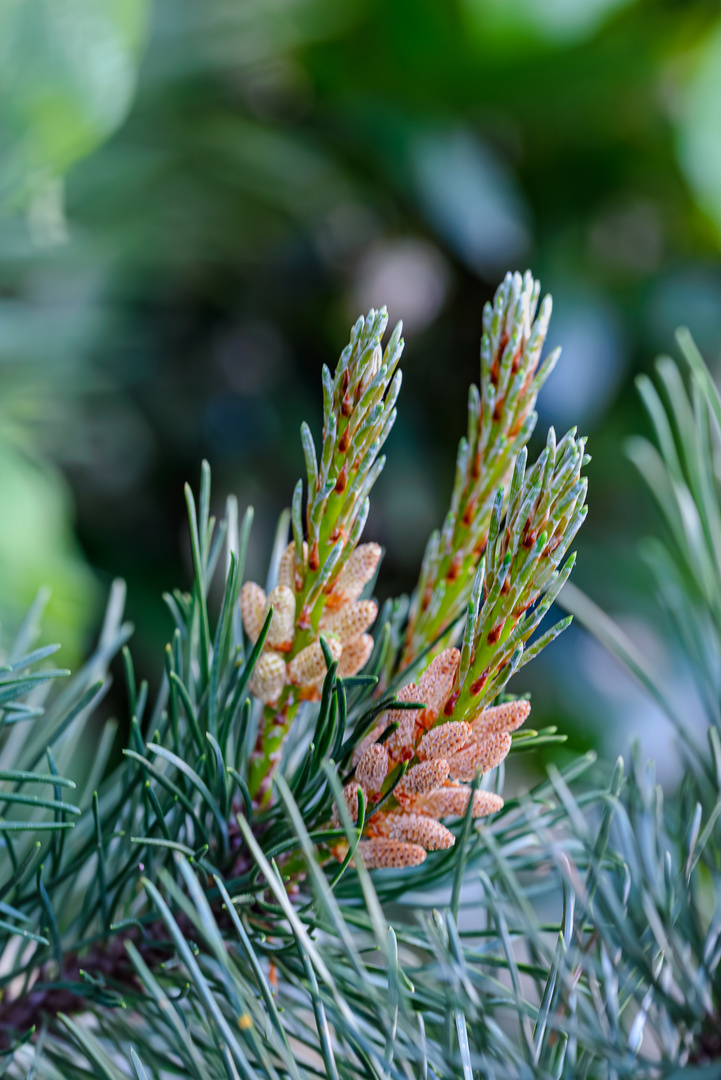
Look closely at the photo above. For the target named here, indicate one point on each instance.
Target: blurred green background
(199, 198)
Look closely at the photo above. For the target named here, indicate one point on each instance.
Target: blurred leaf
(37, 547)
(68, 75)
(557, 21)
(699, 135)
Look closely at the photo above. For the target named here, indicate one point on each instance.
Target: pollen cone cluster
(443, 757)
(343, 624)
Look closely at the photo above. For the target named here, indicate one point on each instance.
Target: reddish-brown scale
(529, 538)
(308, 693)
(476, 468)
(358, 392)
(344, 441)
(426, 597)
(346, 380)
(340, 484)
(495, 368)
(346, 407)
(506, 586)
(495, 633)
(469, 512)
(516, 361)
(498, 410)
(425, 720)
(513, 431)
(375, 824)
(478, 685)
(480, 547)
(304, 618)
(455, 568)
(336, 533)
(313, 557)
(451, 703)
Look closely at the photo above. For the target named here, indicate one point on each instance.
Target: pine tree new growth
(303, 864)
(501, 420)
(323, 571)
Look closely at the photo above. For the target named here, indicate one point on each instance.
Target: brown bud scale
(451, 703)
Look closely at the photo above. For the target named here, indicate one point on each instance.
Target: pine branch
(501, 419)
(321, 578)
(183, 928)
(521, 574)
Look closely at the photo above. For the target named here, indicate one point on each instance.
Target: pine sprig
(521, 575)
(414, 770)
(358, 413)
(184, 927)
(320, 578)
(501, 419)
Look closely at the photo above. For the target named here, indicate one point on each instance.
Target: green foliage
(130, 894)
(652, 931)
(156, 923)
(265, 130)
